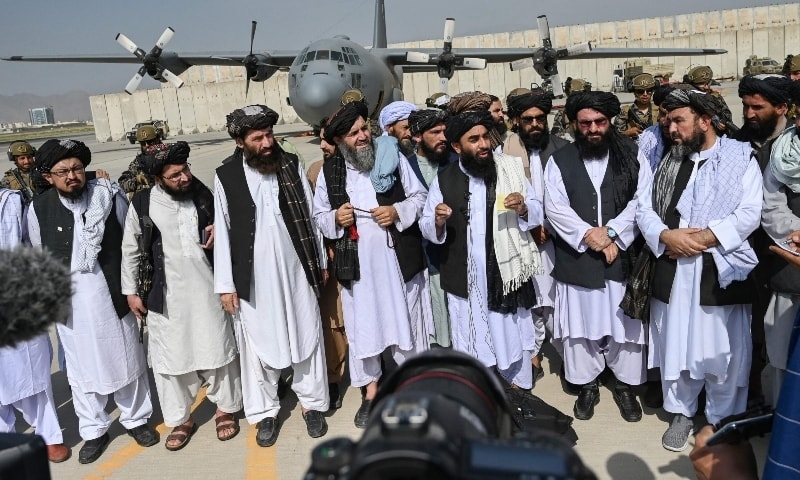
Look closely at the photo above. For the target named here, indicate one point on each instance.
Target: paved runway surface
(613, 448)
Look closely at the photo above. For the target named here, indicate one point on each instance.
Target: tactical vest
(588, 269)
(56, 223)
(21, 182)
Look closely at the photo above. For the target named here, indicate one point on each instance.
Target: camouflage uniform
(15, 180)
(134, 179)
(562, 127)
(633, 117)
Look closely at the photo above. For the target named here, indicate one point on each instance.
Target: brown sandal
(224, 422)
(181, 433)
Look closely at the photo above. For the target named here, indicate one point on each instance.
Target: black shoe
(144, 435)
(629, 407)
(267, 433)
(315, 423)
(335, 398)
(588, 397)
(92, 449)
(362, 415)
(653, 396)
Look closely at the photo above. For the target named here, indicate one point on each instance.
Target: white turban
(394, 112)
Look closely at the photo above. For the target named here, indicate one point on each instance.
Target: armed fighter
(319, 74)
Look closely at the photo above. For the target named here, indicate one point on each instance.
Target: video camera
(443, 415)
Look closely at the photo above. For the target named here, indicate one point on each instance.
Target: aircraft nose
(320, 92)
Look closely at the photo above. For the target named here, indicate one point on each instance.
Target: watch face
(612, 233)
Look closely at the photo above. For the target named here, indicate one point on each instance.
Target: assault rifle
(25, 190)
(144, 274)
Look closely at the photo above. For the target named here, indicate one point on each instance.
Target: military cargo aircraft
(319, 74)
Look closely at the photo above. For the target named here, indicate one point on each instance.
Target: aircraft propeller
(545, 59)
(150, 61)
(447, 61)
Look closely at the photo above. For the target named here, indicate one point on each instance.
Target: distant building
(42, 116)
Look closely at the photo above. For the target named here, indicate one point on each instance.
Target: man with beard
(80, 223)
(563, 126)
(393, 121)
(533, 143)
(430, 158)
(267, 270)
(780, 218)
(496, 109)
(703, 203)
(481, 210)
(591, 189)
(330, 301)
(473, 102)
(191, 341)
(378, 255)
(19, 177)
(642, 113)
(134, 179)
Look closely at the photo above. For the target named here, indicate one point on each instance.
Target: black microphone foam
(35, 291)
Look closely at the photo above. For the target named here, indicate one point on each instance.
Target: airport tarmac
(611, 447)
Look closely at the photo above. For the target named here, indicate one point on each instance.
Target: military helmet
(794, 64)
(352, 95)
(20, 148)
(699, 74)
(437, 100)
(517, 91)
(644, 81)
(577, 85)
(146, 133)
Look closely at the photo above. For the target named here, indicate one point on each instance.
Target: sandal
(226, 421)
(182, 434)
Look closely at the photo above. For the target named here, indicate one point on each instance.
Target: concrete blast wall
(212, 92)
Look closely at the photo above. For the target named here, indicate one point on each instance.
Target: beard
(479, 168)
(362, 159)
(590, 149)
(73, 192)
(432, 155)
(180, 194)
(760, 131)
(688, 146)
(406, 146)
(265, 164)
(501, 127)
(535, 139)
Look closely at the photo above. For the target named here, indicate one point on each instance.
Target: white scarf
(100, 194)
(517, 254)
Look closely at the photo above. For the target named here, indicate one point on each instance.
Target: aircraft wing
(280, 58)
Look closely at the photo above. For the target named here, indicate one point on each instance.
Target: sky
(47, 27)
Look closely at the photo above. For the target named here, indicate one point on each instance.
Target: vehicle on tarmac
(756, 66)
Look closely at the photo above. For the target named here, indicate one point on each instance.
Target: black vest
(711, 294)
(588, 269)
(408, 243)
(785, 278)
(57, 223)
(141, 203)
(454, 185)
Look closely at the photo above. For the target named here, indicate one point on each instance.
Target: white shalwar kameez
(380, 310)
(102, 351)
(25, 381)
(191, 342)
(594, 330)
(702, 346)
(505, 341)
(280, 325)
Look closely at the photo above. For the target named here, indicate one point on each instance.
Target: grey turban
(175, 154)
(251, 117)
(421, 121)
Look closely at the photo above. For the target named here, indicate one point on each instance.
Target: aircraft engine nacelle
(261, 69)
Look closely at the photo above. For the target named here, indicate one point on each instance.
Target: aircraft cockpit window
(302, 57)
(336, 55)
(310, 56)
(323, 54)
(357, 59)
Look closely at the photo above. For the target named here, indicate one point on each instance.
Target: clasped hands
(385, 215)
(598, 240)
(687, 242)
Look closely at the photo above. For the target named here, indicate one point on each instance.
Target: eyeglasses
(540, 119)
(600, 122)
(185, 172)
(66, 171)
(648, 91)
(151, 142)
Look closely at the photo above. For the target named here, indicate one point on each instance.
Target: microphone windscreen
(35, 291)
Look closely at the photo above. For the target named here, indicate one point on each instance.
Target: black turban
(251, 117)
(458, 125)
(519, 103)
(173, 154)
(343, 119)
(663, 90)
(423, 120)
(774, 88)
(794, 92)
(703, 103)
(604, 102)
(55, 150)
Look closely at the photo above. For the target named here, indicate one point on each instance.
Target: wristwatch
(612, 234)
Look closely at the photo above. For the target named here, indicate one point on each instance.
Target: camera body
(443, 415)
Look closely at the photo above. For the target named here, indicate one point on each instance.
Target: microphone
(35, 291)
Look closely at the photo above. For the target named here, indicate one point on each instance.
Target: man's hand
(597, 238)
(515, 201)
(100, 173)
(611, 252)
(793, 259)
(681, 243)
(633, 131)
(540, 235)
(230, 302)
(385, 216)
(210, 242)
(345, 215)
(136, 306)
(706, 237)
(728, 462)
